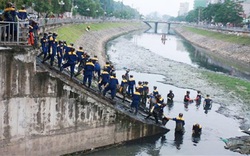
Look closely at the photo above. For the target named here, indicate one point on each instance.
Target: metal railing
(14, 33)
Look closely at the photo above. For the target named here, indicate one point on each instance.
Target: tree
(229, 12)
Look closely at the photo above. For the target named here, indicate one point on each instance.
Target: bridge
(157, 22)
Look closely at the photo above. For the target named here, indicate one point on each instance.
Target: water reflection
(178, 140)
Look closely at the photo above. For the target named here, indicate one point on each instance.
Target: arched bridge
(157, 22)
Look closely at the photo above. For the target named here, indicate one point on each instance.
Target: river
(137, 51)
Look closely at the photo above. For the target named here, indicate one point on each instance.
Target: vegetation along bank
(94, 41)
(229, 49)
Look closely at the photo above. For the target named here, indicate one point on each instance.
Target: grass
(71, 33)
(238, 86)
(221, 36)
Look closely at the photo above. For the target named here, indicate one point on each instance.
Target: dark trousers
(87, 78)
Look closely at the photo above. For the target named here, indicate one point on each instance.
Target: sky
(169, 7)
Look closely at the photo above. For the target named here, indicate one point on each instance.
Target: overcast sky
(169, 7)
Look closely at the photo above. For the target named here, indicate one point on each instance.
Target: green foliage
(92, 8)
(220, 36)
(72, 33)
(227, 12)
(233, 85)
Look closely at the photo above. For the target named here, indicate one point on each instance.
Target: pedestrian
(155, 111)
(88, 73)
(104, 79)
(136, 97)
(196, 129)
(22, 14)
(53, 49)
(44, 45)
(131, 84)
(97, 70)
(127, 74)
(59, 54)
(170, 97)
(155, 91)
(123, 87)
(10, 15)
(71, 61)
(145, 93)
(180, 122)
(198, 98)
(207, 104)
(187, 99)
(112, 85)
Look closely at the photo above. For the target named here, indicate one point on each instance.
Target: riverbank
(94, 41)
(226, 48)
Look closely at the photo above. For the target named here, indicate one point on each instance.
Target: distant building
(184, 8)
(200, 3)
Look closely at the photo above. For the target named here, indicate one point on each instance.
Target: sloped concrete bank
(94, 42)
(240, 53)
(43, 112)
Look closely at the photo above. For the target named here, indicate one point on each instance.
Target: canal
(170, 65)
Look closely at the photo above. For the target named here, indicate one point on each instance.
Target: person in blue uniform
(104, 79)
(53, 50)
(170, 97)
(97, 70)
(155, 111)
(123, 87)
(10, 15)
(180, 122)
(80, 56)
(44, 45)
(131, 84)
(112, 86)
(59, 54)
(145, 93)
(155, 91)
(71, 61)
(22, 14)
(81, 65)
(196, 132)
(108, 67)
(88, 72)
(207, 104)
(136, 98)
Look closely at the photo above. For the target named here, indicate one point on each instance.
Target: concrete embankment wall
(240, 53)
(44, 113)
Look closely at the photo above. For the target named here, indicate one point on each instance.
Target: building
(200, 3)
(184, 8)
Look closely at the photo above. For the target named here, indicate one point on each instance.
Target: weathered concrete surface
(42, 113)
(237, 52)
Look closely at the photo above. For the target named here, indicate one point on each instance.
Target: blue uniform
(59, 55)
(131, 84)
(98, 70)
(112, 86)
(104, 79)
(79, 54)
(22, 14)
(71, 61)
(135, 101)
(9, 15)
(179, 124)
(155, 92)
(44, 45)
(88, 73)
